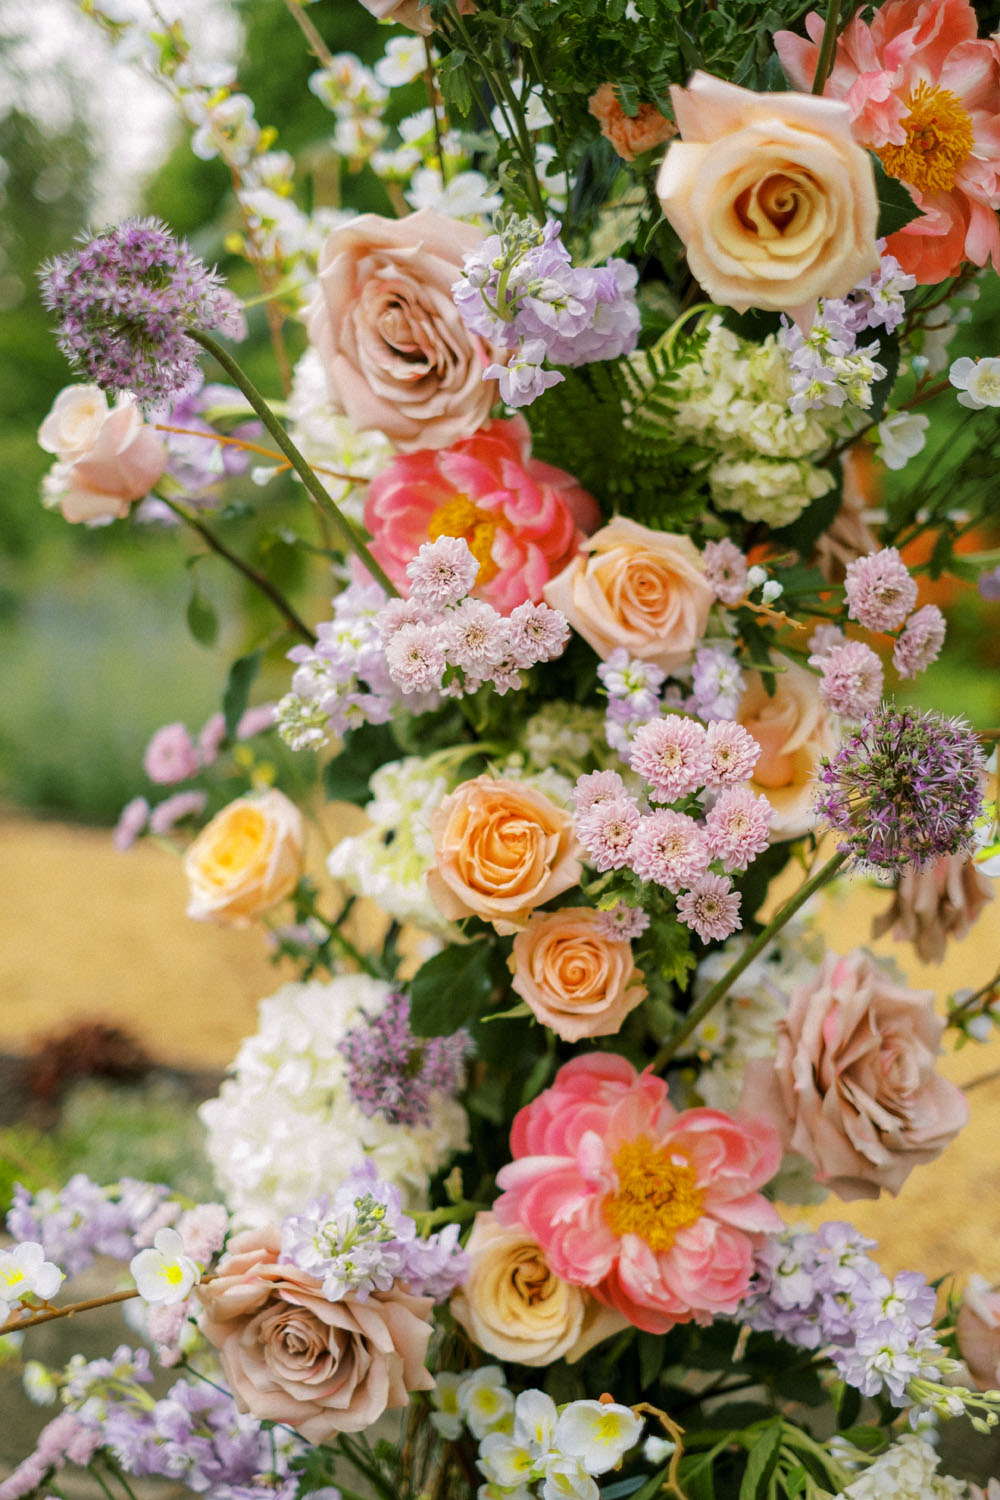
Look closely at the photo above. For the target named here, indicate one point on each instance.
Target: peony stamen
(939, 138)
(657, 1194)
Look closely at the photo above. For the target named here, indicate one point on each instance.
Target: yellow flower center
(460, 517)
(939, 137)
(657, 1194)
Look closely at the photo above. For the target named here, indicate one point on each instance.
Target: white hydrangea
(767, 489)
(906, 1471)
(567, 735)
(329, 441)
(284, 1129)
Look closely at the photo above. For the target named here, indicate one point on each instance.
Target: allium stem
(295, 458)
(827, 47)
(718, 991)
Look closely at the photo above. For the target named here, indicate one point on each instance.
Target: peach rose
(794, 730)
(412, 13)
(395, 352)
(246, 860)
(772, 197)
(290, 1355)
(514, 1306)
(575, 980)
(107, 457)
(853, 1087)
(630, 135)
(500, 850)
(978, 1329)
(635, 588)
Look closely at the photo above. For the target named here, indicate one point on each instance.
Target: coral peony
(523, 520)
(655, 1211)
(924, 95)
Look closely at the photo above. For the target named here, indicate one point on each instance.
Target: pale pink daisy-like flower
(442, 572)
(738, 827)
(880, 592)
(672, 755)
(670, 849)
(711, 908)
(255, 721)
(726, 570)
(622, 922)
(399, 612)
(415, 659)
(732, 753)
(852, 679)
(131, 821)
(597, 786)
(823, 640)
(607, 831)
(537, 633)
(476, 638)
(920, 642)
(171, 755)
(164, 818)
(210, 738)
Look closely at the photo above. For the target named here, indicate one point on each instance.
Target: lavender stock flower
(392, 1073)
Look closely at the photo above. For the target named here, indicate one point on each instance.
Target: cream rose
(853, 1087)
(514, 1306)
(396, 354)
(794, 730)
(500, 850)
(246, 860)
(107, 457)
(635, 588)
(576, 981)
(772, 197)
(290, 1355)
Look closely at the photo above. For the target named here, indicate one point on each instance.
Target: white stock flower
(906, 1471)
(163, 1274)
(597, 1433)
(977, 381)
(901, 436)
(25, 1272)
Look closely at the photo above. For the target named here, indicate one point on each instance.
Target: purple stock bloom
(392, 1073)
(82, 1220)
(125, 301)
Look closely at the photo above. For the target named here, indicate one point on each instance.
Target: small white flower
(597, 1433)
(567, 1479)
(535, 1417)
(39, 1383)
(24, 1272)
(505, 1461)
(164, 1274)
(756, 577)
(657, 1449)
(447, 1419)
(485, 1402)
(772, 590)
(404, 60)
(900, 437)
(978, 380)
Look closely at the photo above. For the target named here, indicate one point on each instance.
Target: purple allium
(622, 923)
(392, 1073)
(125, 302)
(851, 679)
(880, 592)
(738, 827)
(726, 570)
(921, 641)
(671, 754)
(904, 788)
(670, 849)
(711, 908)
(732, 753)
(442, 572)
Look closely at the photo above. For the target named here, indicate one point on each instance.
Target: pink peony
(924, 95)
(656, 1212)
(523, 520)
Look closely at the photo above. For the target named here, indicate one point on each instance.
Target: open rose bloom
(107, 457)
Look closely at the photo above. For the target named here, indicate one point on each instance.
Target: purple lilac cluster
(822, 1290)
(636, 692)
(520, 291)
(125, 303)
(358, 1241)
(392, 1073)
(82, 1220)
(905, 788)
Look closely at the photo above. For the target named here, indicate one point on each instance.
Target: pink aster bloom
(656, 1212)
(711, 908)
(166, 815)
(851, 679)
(607, 832)
(523, 520)
(622, 922)
(726, 570)
(732, 753)
(921, 641)
(670, 849)
(210, 738)
(255, 721)
(672, 755)
(880, 592)
(738, 827)
(415, 658)
(537, 633)
(475, 637)
(171, 755)
(442, 572)
(399, 612)
(597, 786)
(131, 821)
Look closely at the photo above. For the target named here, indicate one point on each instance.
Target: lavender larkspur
(125, 301)
(905, 788)
(392, 1073)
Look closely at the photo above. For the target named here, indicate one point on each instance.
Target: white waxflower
(230, 124)
(597, 1433)
(978, 381)
(405, 59)
(39, 1384)
(901, 436)
(485, 1402)
(567, 1479)
(535, 1417)
(504, 1460)
(24, 1272)
(164, 1274)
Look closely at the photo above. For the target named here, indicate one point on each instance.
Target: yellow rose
(794, 730)
(513, 1306)
(246, 860)
(772, 196)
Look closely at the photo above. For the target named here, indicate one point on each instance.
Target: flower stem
(14, 1324)
(259, 580)
(718, 991)
(348, 531)
(827, 47)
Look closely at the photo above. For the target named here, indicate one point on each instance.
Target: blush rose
(853, 1087)
(772, 197)
(978, 1330)
(246, 860)
(290, 1355)
(107, 457)
(575, 980)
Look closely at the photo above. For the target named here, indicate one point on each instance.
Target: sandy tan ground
(89, 934)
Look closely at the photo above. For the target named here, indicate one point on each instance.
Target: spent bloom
(880, 592)
(125, 302)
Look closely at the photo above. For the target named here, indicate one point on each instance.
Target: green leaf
(202, 621)
(346, 778)
(652, 1488)
(795, 1481)
(761, 1461)
(241, 678)
(895, 206)
(625, 1487)
(450, 989)
(652, 1353)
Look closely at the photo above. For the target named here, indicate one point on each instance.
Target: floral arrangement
(610, 429)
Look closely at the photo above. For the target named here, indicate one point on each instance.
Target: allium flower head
(905, 788)
(125, 301)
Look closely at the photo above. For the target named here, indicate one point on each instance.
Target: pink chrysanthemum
(921, 641)
(711, 908)
(475, 637)
(672, 755)
(656, 1212)
(597, 786)
(607, 832)
(131, 821)
(166, 815)
(442, 572)
(880, 592)
(415, 658)
(537, 633)
(852, 679)
(171, 756)
(732, 753)
(670, 849)
(738, 827)
(726, 570)
(399, 612)
(622, 923)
